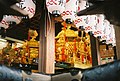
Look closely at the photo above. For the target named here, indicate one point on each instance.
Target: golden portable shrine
(27, 54)
(69, 48)
(73, 49)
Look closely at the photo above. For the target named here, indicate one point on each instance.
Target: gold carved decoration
(71, 48)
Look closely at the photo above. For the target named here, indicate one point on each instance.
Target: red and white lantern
(90, 23)
(29, 6)
(55, 7)
(4, 24)
(70, 11)
(99, 26)
(10, 18)
(80, 20)
(104, 36)
(111, 37)
(106, 31)
(87, 26)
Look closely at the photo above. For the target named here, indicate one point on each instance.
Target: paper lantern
(70, 11)
(99, 28)
(10, 18)
(29, 6)
(4, 24)
(82, 4)
(55, 7)
(106, 31)
(87, 26)
(111, 37)
(103, 36)
(80, 20)
(91, 22)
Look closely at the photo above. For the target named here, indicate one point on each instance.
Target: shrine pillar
(117, 35)
(47, 44)
(94, 50)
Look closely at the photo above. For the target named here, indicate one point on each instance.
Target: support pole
(47, 44)
(94, 50)
(117, 35)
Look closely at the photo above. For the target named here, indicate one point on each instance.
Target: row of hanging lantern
(95, 24)
(98, 26)
(27, 5)
(67, 9)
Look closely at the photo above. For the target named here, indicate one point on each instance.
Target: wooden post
(117, 35)
(50, 54)
(47, 44)
(94, 50)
